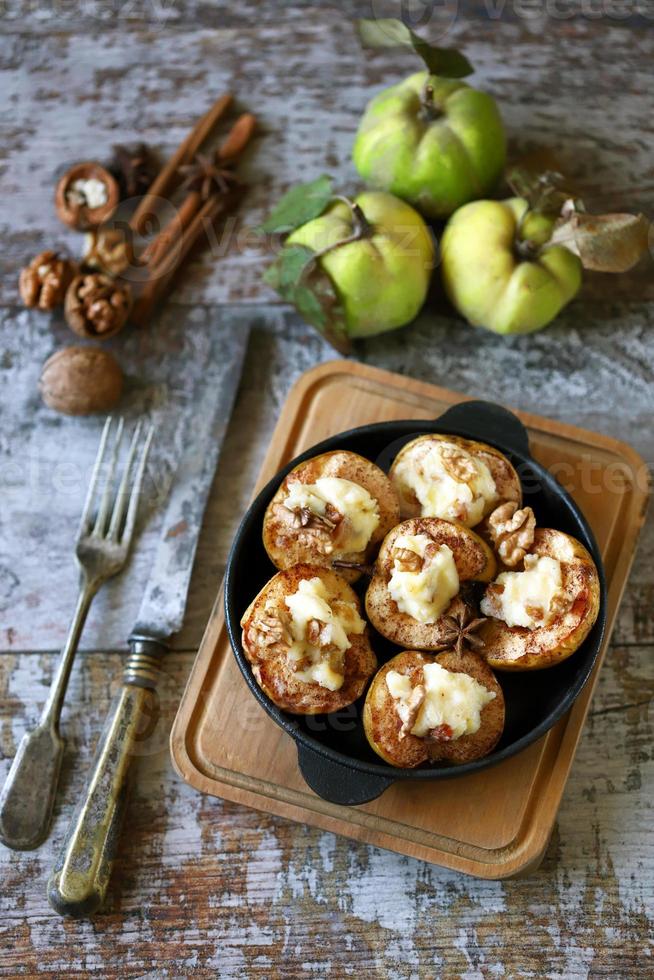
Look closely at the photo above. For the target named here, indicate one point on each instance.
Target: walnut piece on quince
(512, 531)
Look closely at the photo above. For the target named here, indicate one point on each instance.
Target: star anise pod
(206, 177)
(461, 627)
(134, 168)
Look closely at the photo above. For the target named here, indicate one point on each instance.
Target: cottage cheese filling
(426, 592)
(448, 481)
(531, 598)
(319, 629)
(351, 500)
(452, 704)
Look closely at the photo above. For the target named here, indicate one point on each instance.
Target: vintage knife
(78, 883)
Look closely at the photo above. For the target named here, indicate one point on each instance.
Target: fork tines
(115, 515)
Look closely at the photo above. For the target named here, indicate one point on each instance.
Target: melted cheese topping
(424, 595)
(339, 618)
(526, 593)
(454, 700)
(348, 498)
(424, 472)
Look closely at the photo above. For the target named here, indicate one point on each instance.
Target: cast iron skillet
(333, 754)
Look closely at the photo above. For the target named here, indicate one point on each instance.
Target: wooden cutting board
(492, 824)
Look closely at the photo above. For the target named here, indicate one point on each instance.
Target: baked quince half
(417, 577)
(422, 707)
(306, 641)
(539, 614)
(336, 506)
(452, 478)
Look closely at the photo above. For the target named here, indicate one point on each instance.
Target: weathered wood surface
(210, 889)
(221, 890)
(72, 94)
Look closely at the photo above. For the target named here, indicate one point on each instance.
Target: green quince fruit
(499, 271)
(381, 277)
(435, 142)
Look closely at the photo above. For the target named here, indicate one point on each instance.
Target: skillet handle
(337, 783)
(489, 422)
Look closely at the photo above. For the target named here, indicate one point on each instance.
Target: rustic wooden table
(213, 889)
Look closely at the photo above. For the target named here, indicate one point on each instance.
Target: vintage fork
(103, 542)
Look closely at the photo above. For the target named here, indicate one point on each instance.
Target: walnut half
(43, 283)
(97, 305)
(512, 531)
(458, 464)
(268, 630)
(413, 707)
(407, 560)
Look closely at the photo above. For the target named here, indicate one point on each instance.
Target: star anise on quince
(461, 627)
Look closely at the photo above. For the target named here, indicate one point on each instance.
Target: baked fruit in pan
(452, 478)
(445, 707)
(336, 506)
(307, 642)
(540, 613)
(421, 567)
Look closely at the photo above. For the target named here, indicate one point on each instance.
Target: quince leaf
(285, 272)
(299, 205)
(303, 282)
(389, 32)
(605, 242)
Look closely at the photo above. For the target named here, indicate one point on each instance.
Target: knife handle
(79, 880)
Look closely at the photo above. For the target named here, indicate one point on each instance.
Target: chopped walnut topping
(512, 531)
(493, 592)
(314, 629)
(413, 706)
(537, 613)
(269, 630)
(457, 464)
(408, 561)
(561, 603)
(320, 635)
(431, 550)
(314, 530)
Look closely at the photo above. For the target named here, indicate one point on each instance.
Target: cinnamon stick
(162, 274)
(164, 241)
(228, 151)
(167, 178)
(237, 138)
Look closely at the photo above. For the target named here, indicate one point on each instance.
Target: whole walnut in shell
(97, 306)
(81, 380)
(43, 283)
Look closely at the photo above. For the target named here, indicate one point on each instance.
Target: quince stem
(429, 109)
(361, 228)
(526, 250)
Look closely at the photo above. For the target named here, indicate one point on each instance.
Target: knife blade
(79, 880)
(164, 599)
